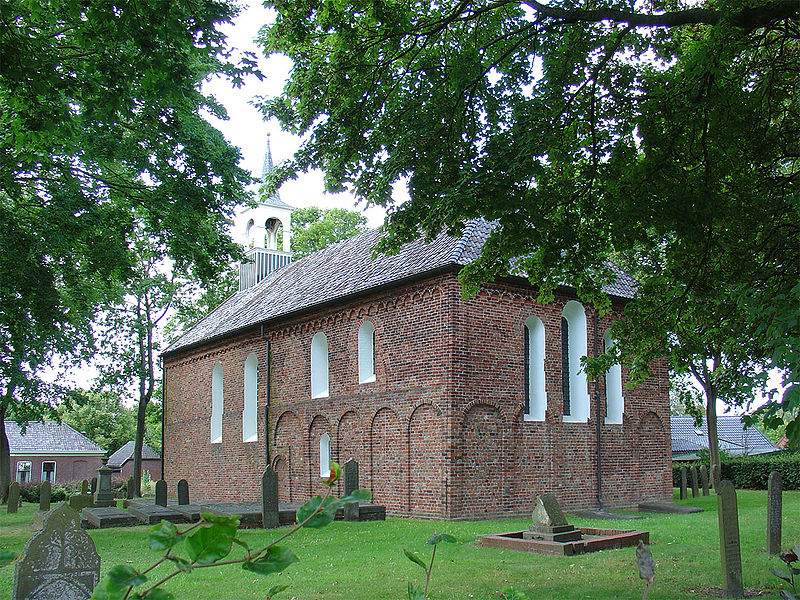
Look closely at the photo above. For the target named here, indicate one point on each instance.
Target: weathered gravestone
(13, 497)
(695, 486)
(183, 492)
(129, 488)
(93, 486)
(161, 492)
(45, 490)
(549, 522)
(704, 479)
(84, 487)
(60, 562)
(350, 476)
(269, 499)
(774, 512)
(684, 495)
(730, 552)
(104, 494)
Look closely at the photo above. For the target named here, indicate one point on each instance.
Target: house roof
(733, 437)
(125, 453)
(343, 270)
(48, 438)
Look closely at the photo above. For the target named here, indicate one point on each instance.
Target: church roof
(49, 438)
(343, 270)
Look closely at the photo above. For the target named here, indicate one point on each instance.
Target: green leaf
(158, 594)
(275, 560)
(357, 496)
(181, 564)
(780, 574)
(224, 520)
(441, 537)
(242, 543)
(276, 589)
(415, 593)
(415, 559)
(163, 536)
(211, 544)
(334, 475)
(7, 557)
(322, 518)
(121, 577)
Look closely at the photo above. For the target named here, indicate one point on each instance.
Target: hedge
(750, 472)
(29, 492)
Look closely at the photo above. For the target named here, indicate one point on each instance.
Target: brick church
(453, 407)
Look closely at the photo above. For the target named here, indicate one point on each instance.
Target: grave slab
(190, 511)
(103, 517)
(668, 507)
(153, 513)
(602, 514)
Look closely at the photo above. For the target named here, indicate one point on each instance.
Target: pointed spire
(274, 199)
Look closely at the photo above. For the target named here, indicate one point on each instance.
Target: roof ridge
(455, 255)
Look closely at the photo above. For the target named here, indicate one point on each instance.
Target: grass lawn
(364, 561)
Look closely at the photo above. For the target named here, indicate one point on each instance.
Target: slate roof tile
(58, 438)
(125, 453)
(733, 437)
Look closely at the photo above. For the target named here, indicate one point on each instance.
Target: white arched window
(366, 352)
(575, 390)
(615, 402)
(217, 404)
(535, 396)
(324, 455)
(250, 412)
(319, 365)
(249, 233)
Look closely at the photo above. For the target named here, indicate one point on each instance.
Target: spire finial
(268, 167)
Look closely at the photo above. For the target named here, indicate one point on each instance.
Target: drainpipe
(163, 412)
(266, 407)
(599, 420)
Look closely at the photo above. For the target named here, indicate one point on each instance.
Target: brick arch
(387, 460)
(426, 462)
(653, 449)
(289, 444)
(481, 459)
(473, 403)
(281, 468)
(319, 426)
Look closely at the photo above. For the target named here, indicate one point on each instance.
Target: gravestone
(684, 495)
(45, 489)
(104, 495)
(774, 512)
(183, 492)
(161, 492)
(13, 498)
(549, 523)
(695, 486)
(84, 487)
(728, 515)
(58, 562)
(129, 488)
(269, 499)
(93, 486)
(704, 479)
(350, 476)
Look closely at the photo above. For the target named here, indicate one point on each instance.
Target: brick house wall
(68, 467)
(438, 434)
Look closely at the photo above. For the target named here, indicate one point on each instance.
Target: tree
(101, 416)
(102, 119)
(667, 133)
(315, 228)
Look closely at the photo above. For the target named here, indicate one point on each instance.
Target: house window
(575, 389)
(250, 412)
(615, 402)
(319, 366)
(535, 395)
(366, 352)
(324, 455)
(23, 471)
(217, 403)
(49, 471)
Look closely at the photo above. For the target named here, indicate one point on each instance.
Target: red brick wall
(439, 434)
(68, 468)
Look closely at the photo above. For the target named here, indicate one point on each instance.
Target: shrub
(751, 472)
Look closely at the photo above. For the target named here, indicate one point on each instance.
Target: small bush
(751, 472)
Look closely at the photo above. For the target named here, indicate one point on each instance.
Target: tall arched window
(535, 395)
(324, 455)
(217, 404)
(319, 365)
(615, 402)
(366, 352)
(250, 412)
(575, 389)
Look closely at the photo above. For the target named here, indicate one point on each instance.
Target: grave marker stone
(161, 492)
(684, 495)
(58, 562)
(269, 499)
(774, 512)
(350, 476)
(129, 488)
(45, 490)
(549, 522)
(104, 495)
(13, 498)
(695, 486)
(183, 492)
(728, 515)
(84, 487)
(704, 479)
(93, 486)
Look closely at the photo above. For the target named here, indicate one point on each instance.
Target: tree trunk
(5, 455)
(713, 437)
(137, 448)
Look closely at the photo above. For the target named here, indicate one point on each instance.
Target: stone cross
(183, 492)
(13, 497)
(774, 512)
(684, 495)
(58, 562)
(350, 476)
(547, 512)
(695, 487)
(84, 487)
(704, 479)
(45, 490)
(104, 495)
(161, 492)
(728, 515)
(129, 488)
(269, 499)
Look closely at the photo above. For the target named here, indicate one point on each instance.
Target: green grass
(355, 561)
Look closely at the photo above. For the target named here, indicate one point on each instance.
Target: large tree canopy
(666, 134)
